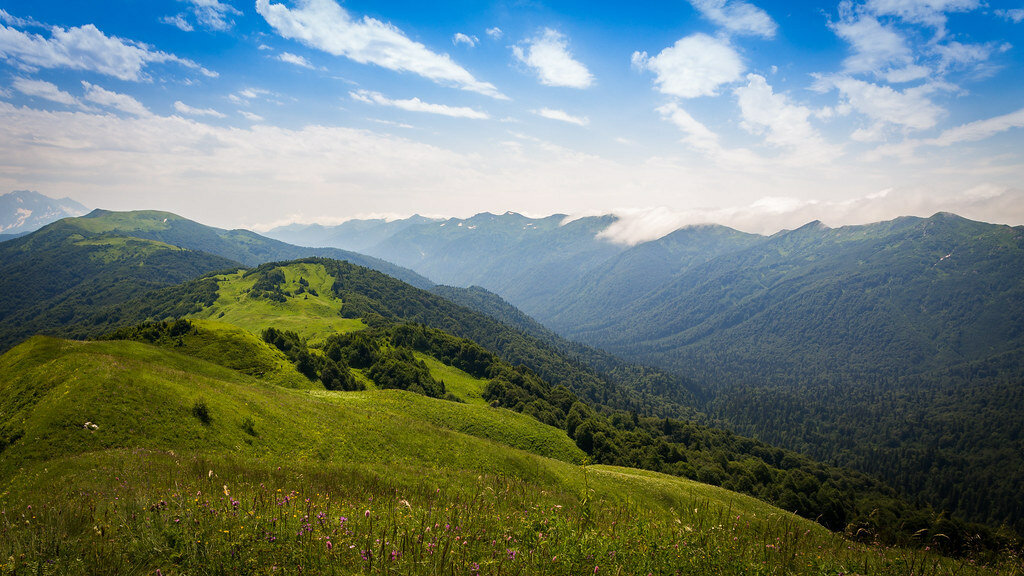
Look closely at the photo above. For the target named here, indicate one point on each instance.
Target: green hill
(242, 246)
(123, 457)
(411, 339)
(59, 275)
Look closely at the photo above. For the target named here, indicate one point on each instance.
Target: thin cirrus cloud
(562, 116)
(694, 66)
(183, 108)
(737, 17)
(109, 99)
(86, 48)
(548, 55)
(417, 105)
(326, 26)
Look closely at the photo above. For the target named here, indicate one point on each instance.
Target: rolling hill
(130, 457)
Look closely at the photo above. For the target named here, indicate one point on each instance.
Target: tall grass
(143, 512)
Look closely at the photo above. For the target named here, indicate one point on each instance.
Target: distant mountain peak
(23, 211)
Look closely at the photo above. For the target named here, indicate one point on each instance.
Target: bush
(202, 412)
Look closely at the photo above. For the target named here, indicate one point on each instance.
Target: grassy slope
(153, 487)
(310, 316)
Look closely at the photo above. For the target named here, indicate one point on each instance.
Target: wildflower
(595, 569)
(329, 545)
(367, 514)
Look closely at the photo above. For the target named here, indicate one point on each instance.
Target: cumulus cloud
(295, 59)
(460, 38)
(183, 108)
(737, 16)
(562, 116)
(326, 26)
(495, 33)
(548, 55)
(250, 116)
(417, 105)
(784, 124)
(44, 90)
(122, 102)
(694, 66)
(85, 48)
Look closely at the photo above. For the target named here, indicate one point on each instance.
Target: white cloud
(417, 105)
(326, 26)
(295, 59)
(911, 108)
(928, 12)
(122, 102)
(737, 16)
(179, 22)
(954, 54)
(1015, 15)
(694, 66)
(183, 108)
(44, 90)
(247, 95)
(85, 48)
(784, 124)
(11, 20)
(971, 132)
(697, 134)
(206, 172)
(460, 38)
(548, 55)
(562, 116)
(979, 130)
(250, 116)
(495, 33)
(877, 49)
(214, 14)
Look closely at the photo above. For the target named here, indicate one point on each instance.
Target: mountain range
(831, 341)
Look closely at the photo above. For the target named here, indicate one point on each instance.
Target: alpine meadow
(337, 287)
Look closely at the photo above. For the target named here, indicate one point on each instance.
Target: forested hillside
(891, 347)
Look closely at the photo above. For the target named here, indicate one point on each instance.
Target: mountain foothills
(895, 348)
(317, 415)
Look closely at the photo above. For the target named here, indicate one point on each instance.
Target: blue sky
(759, 115)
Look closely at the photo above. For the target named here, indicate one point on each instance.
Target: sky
(760, 115)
